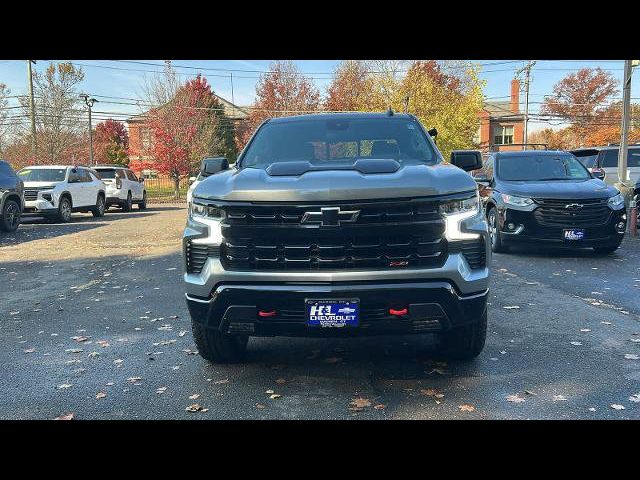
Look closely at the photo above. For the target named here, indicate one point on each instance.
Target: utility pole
(527, 76)
(89, 101)
(34, 147)
(626, 118)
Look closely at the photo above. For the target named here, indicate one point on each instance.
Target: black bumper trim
(433, 306)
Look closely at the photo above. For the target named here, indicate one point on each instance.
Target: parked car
(124, 188)
(202, 174)
(603, 162)
(550, 198)
(55, 191)
(11, 198)
(337, 224)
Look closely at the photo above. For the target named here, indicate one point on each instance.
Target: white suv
(123, 187)
(58, 190)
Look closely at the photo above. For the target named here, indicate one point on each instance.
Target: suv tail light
(118, 182)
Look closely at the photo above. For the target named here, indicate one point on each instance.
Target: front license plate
(332, 312)
(574, 234)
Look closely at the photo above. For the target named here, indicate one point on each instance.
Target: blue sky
(110, 78)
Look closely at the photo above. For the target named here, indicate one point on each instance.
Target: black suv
(549, 198)
(11, 198)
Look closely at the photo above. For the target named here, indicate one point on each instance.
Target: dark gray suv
(11, 198)
(337, 225)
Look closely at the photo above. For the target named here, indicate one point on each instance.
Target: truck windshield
(42, 174)
(533, 168)
(339, 141)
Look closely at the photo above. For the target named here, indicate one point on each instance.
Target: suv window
(6, 170)
(523, 168)
(75, 177)
(610, 158)
(633, 158)
(85, 177)
(43, 174)
(131, 175)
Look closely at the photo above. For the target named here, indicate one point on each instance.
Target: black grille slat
(197, 256)
(554, 212)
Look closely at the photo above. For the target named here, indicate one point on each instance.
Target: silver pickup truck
(337, 225)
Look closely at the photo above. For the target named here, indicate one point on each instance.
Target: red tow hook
(267, 313)
(398, 313)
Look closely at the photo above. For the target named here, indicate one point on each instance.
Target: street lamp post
(89, 101)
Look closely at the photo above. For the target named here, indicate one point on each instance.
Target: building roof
(501, 110)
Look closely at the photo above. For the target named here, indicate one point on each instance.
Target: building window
(503, 135)
(145, 135)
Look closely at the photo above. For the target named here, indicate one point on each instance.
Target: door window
(610, 159)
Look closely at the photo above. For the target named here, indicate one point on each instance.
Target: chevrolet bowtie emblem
(573, 206)
(331, 217)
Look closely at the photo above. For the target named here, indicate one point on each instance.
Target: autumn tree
(189, 127)
(59, 113)
(5, 121)
(581, 98)
(281, 91)
(350, 88)
(561, 139)
(111, 142)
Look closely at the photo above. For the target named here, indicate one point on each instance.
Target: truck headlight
(616, 200)
(210, 216)
(516, 201)
(199, 210)
(457, 211)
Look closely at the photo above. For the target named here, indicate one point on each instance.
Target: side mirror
(467, 160)
(211, 166)
(191, 180)
(482, 181)
(598, 173)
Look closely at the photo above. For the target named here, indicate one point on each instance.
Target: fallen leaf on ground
(559, 398)
(380, 406)
(280, 381)
(188, 351)
(529, 392)
(100, 395)
(275, 396)
(196, 408)
(219, 382)
(29, 350)
(359, 403)
(134, 380)
(439, 371)
(431, 392)
(259, 405)
(195, 396)
(576, 344)
(65, 416)
(631, 356)
(511, 307)
(515, 398)
(616, 406)
(161, 390)
(635, 398)
(80, 338)
(182, 333)
(466, 408)
(64, 386)
(585, 330)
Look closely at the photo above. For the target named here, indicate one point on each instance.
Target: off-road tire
(127, 205)
(10, 216)
(100, 208)
(465, 342)
(64, 209)
(216, 347)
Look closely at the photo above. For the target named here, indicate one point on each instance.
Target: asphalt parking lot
(93, 321)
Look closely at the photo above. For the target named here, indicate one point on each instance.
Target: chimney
(515, 95)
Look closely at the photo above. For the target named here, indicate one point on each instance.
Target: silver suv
(338, 224)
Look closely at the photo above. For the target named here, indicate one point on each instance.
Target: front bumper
(39, 207)
(528, 231)
(432, 306)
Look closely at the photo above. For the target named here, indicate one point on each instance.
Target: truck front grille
(474, 252)
(571, 213)
(382, 235)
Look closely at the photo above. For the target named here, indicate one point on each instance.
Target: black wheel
(127, 205)
(494, 232)
(10, 216)
(606, 250)
(98, 210)
(217, 347)
(143, 204)
(466, 342)
(64, 210)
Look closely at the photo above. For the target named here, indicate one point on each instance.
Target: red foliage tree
(111, 142)
(282, 91)
(350, 89)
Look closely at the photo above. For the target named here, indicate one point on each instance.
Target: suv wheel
(494, 232)
(128, 203)
(216, 347)
(143, 204)
(10, 216)
(64, 209)
(98, 210)
(466, 342)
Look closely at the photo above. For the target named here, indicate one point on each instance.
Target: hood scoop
(366, 166)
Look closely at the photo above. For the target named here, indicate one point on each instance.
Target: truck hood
(409, 181)
(563, 189)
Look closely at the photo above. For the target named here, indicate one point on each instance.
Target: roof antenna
(390, 111)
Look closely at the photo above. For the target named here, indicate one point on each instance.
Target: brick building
(502, 124)
(140, 135)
